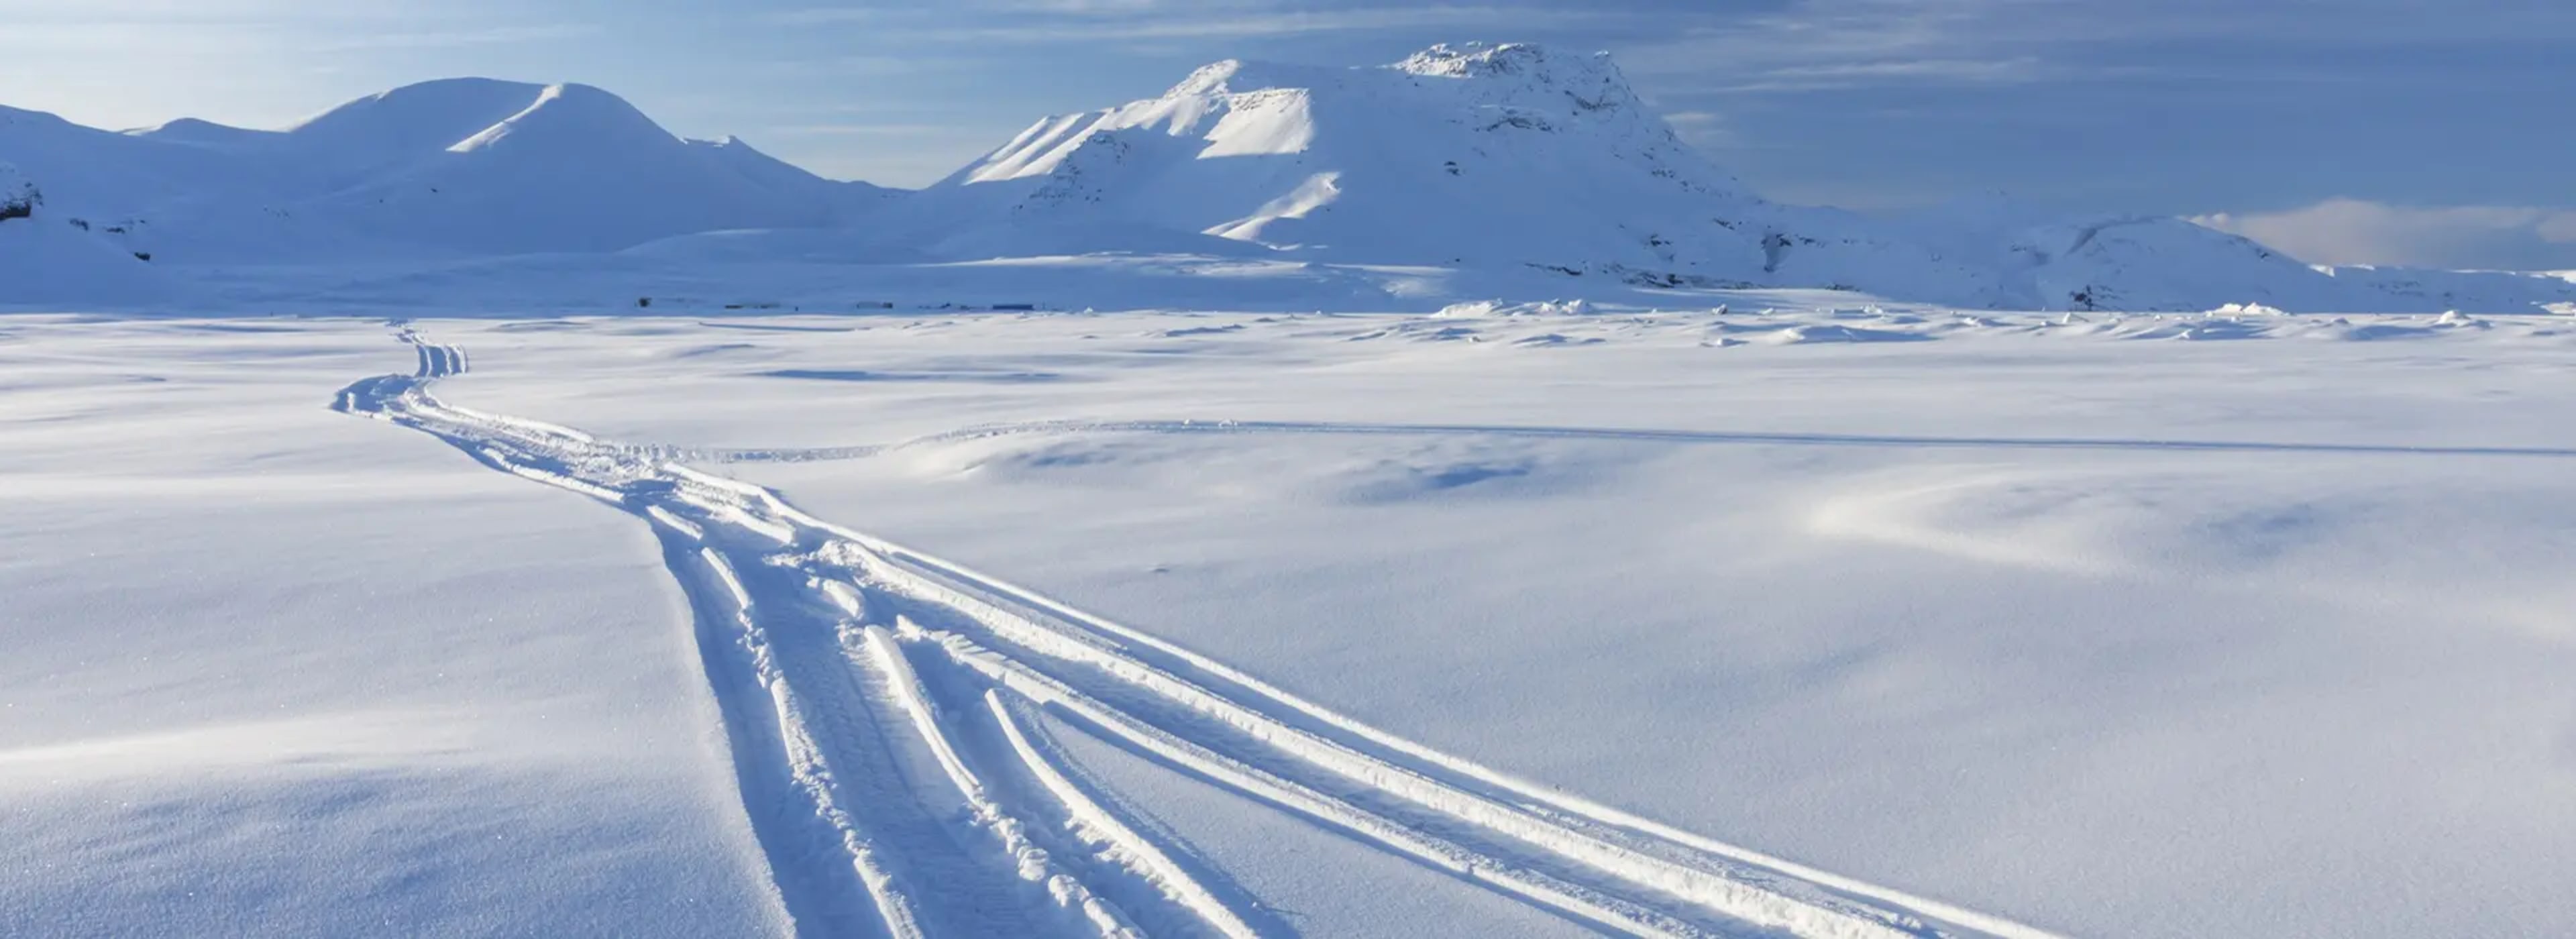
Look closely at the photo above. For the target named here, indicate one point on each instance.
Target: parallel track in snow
(888, 717)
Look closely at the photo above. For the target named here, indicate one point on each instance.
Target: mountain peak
(1480, 60)
(401, 125)
(446, 102)
(21, 116)
(1438, 159)
(1592, 75)
(573, 114)
(1583, 87)
(1239, 76)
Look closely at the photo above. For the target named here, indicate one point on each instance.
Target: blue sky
(2353, 131)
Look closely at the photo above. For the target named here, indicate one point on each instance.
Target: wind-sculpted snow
(891, 715)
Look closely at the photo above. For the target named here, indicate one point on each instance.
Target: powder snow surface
(2241, 623)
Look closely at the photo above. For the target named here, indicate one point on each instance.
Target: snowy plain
(478, 511)
(2108, 625)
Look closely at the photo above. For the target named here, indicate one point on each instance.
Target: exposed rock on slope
(45, 258)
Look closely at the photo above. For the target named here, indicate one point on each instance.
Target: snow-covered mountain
(1521, 157)
(1475, 156)
(1491, 155)
(48, 258)
(573, 168)
(462, 166)
(1511, 165)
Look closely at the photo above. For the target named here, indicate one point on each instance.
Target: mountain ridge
(1513, 159)
(444, 168)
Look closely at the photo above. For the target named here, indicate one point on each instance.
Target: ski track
(886, 713)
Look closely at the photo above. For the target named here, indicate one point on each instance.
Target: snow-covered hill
(1477, 156)
(2417, 288)
(1520, 157)
(47, 258)
(1511, 168)
(579, 169)
(1490, 155)
(456, 167)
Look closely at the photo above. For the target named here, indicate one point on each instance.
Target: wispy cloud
(1705, 129)
(260, 25)
(2356, 231)
(1824, 44)
(865, 130)
(1144, 21)
(454, 38)
(1816, 45)
(1889, 71)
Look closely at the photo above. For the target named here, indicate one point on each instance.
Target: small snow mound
(1558, 339)
(1832, 332)
(1485, 308)
(2194, 330)
(2246, 309)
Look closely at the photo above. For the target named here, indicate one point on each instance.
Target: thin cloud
(1704, 129)
(1863, 74)
(1184, 23)
(455, 38)
(1827, 44)
(1819, 45)
(2358, 231)
(240, 27)
(865, 130)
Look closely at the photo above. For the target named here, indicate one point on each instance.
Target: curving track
(889, 715)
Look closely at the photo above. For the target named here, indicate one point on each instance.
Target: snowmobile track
(888, 717)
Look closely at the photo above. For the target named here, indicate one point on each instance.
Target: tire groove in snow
(904, 794)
